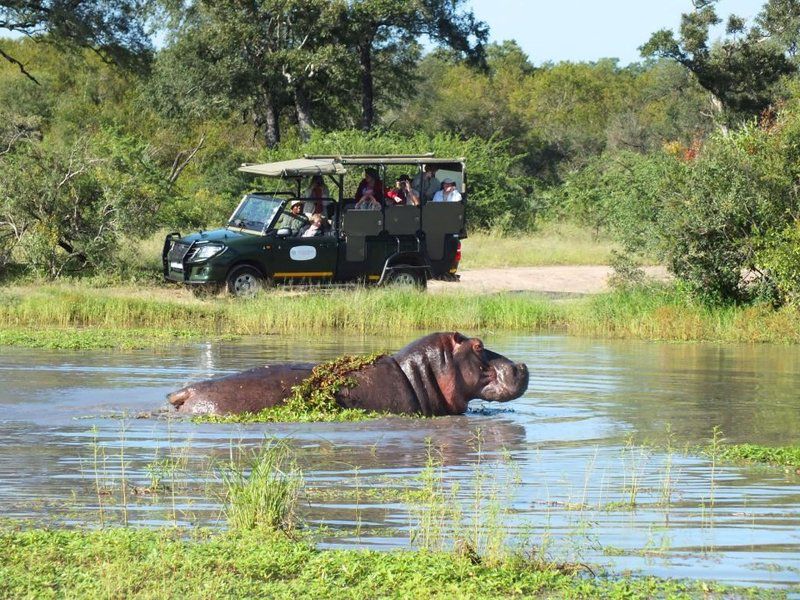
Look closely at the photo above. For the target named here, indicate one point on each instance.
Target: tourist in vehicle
(294, 220)
(315, 191)
(448, 193)
(402, 193)
(369, 194)
(316, 228)
(425, 184)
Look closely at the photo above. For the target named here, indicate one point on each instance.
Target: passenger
(448, 193)
(316, 190)
(369, 194)
(402, 193)
(295, 220)
(316, 228)
(425, 184)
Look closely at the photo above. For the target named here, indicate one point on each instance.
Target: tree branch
(179, 165)
(22, 68)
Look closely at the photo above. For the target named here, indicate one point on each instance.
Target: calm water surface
(603, 424)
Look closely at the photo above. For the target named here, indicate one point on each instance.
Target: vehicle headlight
(207, 251)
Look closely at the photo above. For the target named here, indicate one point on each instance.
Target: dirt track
(547, 280)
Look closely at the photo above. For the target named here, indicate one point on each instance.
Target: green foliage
(779, 255)
(68, 205)
(723, 216)
(113, 28)
(788, 456)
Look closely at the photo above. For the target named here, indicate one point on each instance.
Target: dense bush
(723, 216)
(65, 206)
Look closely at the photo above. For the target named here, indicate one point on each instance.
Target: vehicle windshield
(255, 212)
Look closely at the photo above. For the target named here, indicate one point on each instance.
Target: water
(565, 463)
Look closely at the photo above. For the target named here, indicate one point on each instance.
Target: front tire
(245, 282)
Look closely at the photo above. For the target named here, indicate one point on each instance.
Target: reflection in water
(588, 441)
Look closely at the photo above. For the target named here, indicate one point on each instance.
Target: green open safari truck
(293, 236)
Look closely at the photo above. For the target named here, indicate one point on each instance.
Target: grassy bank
(126, 563)
(75, 316)
(552, 244)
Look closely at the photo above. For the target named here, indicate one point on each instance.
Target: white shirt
(454, 196)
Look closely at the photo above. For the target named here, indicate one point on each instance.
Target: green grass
(552, 244)
(264, 494)
(88, 339)
(70, 316)
(138, 563)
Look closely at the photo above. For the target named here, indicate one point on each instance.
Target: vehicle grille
(178, 251)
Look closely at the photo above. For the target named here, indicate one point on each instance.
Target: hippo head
(485, 374)
(455, 369)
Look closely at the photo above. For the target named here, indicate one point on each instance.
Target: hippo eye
(477, 346)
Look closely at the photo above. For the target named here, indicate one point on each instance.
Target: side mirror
(284, 232)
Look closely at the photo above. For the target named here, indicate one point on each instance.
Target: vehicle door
(297, 258)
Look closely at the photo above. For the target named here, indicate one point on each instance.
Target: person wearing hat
(294, 220)
(369, 194)
(402, 193)
(425, 183)
(448, 193)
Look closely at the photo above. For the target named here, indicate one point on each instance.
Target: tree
(113, 28)
(373, 25)
(263, 56)
(780, 19)
(741, 72)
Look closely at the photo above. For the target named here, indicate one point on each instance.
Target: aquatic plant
(785, 456)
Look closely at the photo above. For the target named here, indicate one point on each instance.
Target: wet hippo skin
(435, 375)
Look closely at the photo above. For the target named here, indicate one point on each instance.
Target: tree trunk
(267, 119)
(367, 90)
(719, 114)
(303, 108)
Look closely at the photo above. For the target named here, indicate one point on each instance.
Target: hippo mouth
(503, 382)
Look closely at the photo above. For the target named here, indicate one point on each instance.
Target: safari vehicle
(261, 246)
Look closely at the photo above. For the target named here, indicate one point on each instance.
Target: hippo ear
(458, 338)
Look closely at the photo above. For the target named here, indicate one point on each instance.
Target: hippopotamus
(433, 376)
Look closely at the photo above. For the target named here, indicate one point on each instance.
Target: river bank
(75, 316)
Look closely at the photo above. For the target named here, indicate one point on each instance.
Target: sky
(587, 30)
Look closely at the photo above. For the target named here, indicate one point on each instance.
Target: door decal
(303, 253)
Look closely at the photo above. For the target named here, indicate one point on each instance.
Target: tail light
(458, 253)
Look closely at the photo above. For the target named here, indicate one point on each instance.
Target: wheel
(245, 282)
(407, 278)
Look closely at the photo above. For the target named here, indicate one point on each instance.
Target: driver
(294, 220)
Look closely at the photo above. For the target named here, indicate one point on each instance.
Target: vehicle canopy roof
(337, 164)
